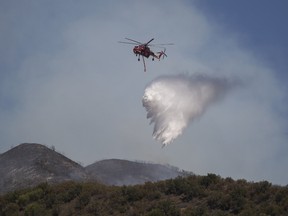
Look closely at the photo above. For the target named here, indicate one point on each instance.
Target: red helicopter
(142, 49)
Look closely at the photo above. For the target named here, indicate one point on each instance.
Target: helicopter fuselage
(144, 51)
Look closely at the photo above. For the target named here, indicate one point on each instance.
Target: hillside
(29, 164)
(191, 195)
(123, 172)
(67, 188)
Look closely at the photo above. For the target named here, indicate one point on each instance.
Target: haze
(66, 82)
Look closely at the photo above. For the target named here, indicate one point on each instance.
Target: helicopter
(142, 49)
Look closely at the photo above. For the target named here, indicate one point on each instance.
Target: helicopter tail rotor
(162, 54)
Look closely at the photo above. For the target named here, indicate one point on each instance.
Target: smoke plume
(173, 102)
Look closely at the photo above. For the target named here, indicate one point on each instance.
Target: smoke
(173, 102)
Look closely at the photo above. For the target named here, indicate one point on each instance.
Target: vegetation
(192, 195)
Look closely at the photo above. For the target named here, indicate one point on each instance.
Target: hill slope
(192, 195)
(28, 164)
(124, 172)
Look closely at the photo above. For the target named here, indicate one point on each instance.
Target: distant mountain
(124, 172)
(29, 164)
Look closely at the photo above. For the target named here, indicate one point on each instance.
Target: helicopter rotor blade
(164, 44)
(149, 42)
(133, 41)
(127, 42)
(161, 45)
(162, 53)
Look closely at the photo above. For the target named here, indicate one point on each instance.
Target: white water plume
(174, 101)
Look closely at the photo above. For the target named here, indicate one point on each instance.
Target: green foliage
(35, 209)
(164, 208)
(188, 188)
(132, 193)
(191, 195)
(11, 209)
(69, 191)
(210, 179)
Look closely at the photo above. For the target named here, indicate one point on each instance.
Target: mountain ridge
(29, 164)
(125, 172)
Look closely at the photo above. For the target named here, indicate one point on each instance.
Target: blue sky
(66, 82)
(261, 25)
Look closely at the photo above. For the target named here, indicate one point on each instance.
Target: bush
(11, 209)
(168, 208)
(210, 179)
(35, 209)
(132, 193)
(192, 195)
(68, 192)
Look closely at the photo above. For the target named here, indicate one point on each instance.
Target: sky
(66, 82)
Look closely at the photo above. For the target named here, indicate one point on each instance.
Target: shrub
(168, 208)
(132, 193)
(35, 209)
(210, 179)
(11, 209)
